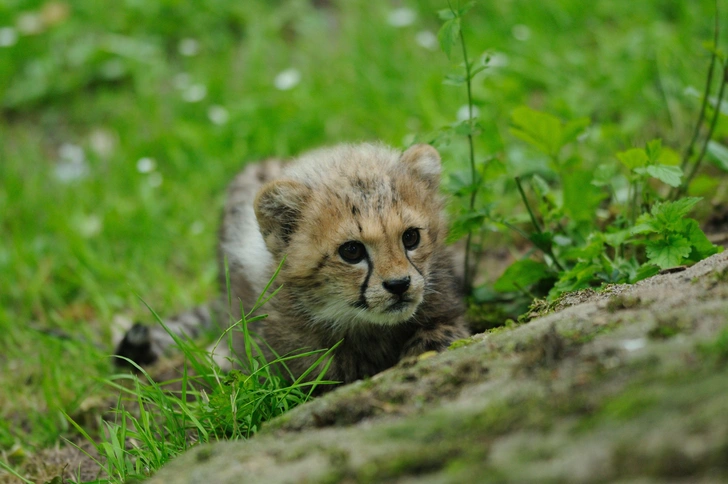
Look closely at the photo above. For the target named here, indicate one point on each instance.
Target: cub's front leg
(436, 338)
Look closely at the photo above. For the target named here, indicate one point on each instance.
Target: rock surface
(627, 383)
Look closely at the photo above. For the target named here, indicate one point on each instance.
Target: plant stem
(713, 123)
(677, 192)
(468, 243)
(528, 205)
(545, 249)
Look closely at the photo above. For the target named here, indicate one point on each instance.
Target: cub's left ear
(424, 160)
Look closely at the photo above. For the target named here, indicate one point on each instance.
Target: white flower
(287, 79)
(89, 226)
(71, 164)
(102, 141)
(194, 93)
(29, 23)
(8, 36)
(146, 165)
(426, 39)
(218, 114)
(188, 47)
(401, 17)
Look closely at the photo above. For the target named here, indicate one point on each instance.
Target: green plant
(155, 421)
(592, 225)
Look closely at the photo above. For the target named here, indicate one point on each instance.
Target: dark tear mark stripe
(362, 302)
(406, 254)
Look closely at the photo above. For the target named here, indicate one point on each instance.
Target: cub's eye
(411, 239)
(352, 252)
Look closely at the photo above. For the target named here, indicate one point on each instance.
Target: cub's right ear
(278, 207)
(424, 160)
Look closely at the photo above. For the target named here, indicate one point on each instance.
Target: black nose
(397, 286)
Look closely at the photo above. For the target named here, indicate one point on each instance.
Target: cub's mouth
(404, 304)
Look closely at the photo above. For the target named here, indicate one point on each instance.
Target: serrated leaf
(448, 35)
(669, 251)
(668, 215)
(653, 150)
(719, 154)
(522, 274)
(670, 175)
(633, 158)
(541, 130)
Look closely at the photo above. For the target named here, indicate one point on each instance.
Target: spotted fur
(391, 300)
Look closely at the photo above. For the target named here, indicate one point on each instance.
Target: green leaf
(573, 129)
(581, 197)
(543, 240)
(464, 9)
(669, 251)
(668, 215)
(615, 239)
(670, 175)
(454, 80)
(465, 223)
(669, 157)
(521, 274)
(466, 128)
(633, 158)
(448, 35)
(702, 247)
(719, 154)
(541, 130)
(580, 277)
(446, 14)
(647, 270)
(653, 150)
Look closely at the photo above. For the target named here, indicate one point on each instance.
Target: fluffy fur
(362, 231)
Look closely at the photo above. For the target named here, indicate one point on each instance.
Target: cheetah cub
(362, 231)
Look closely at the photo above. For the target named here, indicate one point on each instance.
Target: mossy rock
(625, 384)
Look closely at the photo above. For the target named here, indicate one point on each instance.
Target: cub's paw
(136, 346)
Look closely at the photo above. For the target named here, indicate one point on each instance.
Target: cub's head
(360, 226)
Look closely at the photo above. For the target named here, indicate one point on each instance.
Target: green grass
(112, 81)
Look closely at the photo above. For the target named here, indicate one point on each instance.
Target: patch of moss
(716, 350)
(461, 343)
(617, 303)
(667, 327)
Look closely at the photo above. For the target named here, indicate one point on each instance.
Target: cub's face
(360, 241)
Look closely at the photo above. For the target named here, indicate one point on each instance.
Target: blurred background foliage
(121, 124)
